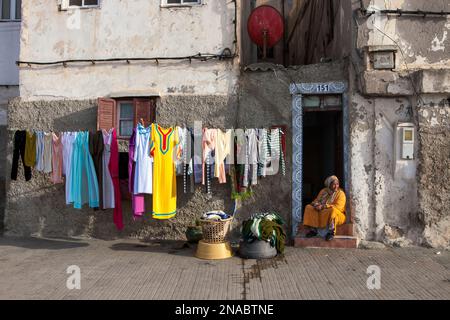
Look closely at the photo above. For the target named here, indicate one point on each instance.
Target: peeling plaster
(436, 44)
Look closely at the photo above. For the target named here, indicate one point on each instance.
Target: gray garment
(241, 146)
(252, 162)
(47, 154)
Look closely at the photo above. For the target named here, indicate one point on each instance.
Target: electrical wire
(225, 55)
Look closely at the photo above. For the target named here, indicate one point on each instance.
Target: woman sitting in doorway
(327, 211)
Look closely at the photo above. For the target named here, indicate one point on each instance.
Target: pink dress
(114, 170)
(137, 200)
(57, 160)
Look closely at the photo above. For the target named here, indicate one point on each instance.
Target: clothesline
(89, 163)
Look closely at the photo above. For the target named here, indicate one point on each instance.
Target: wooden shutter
(106, 114)
(144, 109)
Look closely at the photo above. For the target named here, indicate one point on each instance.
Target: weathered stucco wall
(384, 187)
(434, 169)
(362, 149)
(105, 32)
(406, 198)
(423, 41)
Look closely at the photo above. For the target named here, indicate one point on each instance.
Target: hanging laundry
(251, 170)
(114, 170)
(19, 151)
(137, 200)
(237, 171)
(181, 148)
(274, 143)
(189, 171)
(96, 146)
(186, 151)
(282, 135)
(67, 140)
(30, 149)
(84, 185)
(57, 159)
(143, 169)
(224, 143)
(263, 151)
(47, 154)
(164, 178)
(107, 182)
(39, 151)
(240, 147)
(209, 145)
(198, 155)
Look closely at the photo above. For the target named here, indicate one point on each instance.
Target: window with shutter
(124, 114)
(144, 110)
(106, 114)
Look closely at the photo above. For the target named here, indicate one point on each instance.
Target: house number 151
(323, 88)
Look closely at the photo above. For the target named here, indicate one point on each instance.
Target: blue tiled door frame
(298, 90)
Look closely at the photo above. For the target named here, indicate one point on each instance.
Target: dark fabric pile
(266, 227)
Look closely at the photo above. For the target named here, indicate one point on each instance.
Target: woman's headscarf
(329, 180)
(329, 196)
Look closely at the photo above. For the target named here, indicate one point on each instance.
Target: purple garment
(137, 200)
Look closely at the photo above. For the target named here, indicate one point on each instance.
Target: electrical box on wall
(380, 57)
(407, 143)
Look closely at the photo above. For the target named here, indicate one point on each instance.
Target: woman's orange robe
(333, 212)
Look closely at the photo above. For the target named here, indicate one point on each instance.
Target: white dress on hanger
(143, 173)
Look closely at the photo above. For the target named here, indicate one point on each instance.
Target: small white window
(181, 2)
(10, 10)
(126, 118)
(83, 3)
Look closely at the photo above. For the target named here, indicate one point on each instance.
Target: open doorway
(322, 144)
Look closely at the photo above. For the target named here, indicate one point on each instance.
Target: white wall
(422, 43)
(138, 28)
(9, 52)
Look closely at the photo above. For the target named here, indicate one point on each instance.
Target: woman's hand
(317, 206)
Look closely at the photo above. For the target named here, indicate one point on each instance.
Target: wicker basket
(215, 231)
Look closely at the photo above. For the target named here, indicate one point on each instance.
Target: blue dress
(84, 185)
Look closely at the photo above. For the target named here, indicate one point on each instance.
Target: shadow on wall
(81, 120)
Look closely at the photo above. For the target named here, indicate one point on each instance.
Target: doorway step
(344, 238)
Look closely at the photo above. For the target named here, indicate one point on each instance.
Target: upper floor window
(10, 10)
(125, 113)
(83, 3)
(180, 2)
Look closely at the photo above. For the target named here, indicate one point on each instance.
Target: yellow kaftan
(333, 212)
(164, 176)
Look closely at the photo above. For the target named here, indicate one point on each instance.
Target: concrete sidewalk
(130, 269)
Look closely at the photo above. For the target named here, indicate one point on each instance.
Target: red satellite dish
(265, 26)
